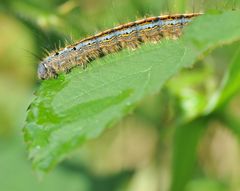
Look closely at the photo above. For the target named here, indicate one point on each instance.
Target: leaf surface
(78, 106)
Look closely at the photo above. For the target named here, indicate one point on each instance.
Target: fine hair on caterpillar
(130, 35)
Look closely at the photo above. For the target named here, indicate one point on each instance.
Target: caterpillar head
(44, 71)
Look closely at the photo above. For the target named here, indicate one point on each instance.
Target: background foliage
(183, 138)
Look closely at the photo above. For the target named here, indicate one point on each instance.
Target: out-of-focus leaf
(17, 175)
(187, 86)
(230, 84)
(184, 155)
(206, 185)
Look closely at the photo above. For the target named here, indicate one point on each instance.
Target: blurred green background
(145, 151)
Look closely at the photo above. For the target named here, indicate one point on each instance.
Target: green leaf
(78, 106)
(206, 184)
(230, 84)
(15, 168)
(184, 154)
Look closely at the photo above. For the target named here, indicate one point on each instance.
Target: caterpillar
(129, 35)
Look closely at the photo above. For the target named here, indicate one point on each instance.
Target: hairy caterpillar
(129, 35)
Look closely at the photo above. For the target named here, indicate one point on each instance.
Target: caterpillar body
(129, 35)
